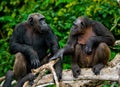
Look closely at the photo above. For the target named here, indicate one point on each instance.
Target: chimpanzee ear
(31, 21)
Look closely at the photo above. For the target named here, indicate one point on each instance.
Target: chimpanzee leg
(20, 66)
(58, 69)
(22, 70)
(75, 59)
(19, 70)
(101, 57)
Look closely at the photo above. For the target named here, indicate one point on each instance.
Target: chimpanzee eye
(30, 19)
(41, 19)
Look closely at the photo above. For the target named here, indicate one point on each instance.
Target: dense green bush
(59, 14)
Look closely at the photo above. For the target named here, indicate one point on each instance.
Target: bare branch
(117, 42)
(2, 78)
(48, 66)
(110, 73)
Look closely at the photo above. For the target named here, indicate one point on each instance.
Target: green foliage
(107, 84)
(6, 60)
(59, 14)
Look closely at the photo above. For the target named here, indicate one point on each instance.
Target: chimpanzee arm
(68, 49)
(52, 42)
(17, 41)
(102, 35)
(70, 45)
(17, 45)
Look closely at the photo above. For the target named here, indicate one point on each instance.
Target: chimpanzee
(30, 42)
(88, 44)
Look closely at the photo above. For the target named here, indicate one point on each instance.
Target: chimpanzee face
(80, 25)
(37, 21)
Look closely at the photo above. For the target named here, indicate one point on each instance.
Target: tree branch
(48, 66)
(111, 73)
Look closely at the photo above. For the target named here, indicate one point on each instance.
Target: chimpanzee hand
(76, 70)
(88, 47)
(34, 60)
(59, 54)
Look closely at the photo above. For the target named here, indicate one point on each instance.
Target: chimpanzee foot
(8, 79)
(30, 77)
(96, 69)
(76, 70)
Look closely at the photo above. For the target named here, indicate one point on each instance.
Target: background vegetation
(59, 15)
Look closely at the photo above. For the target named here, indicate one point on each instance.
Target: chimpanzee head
(37, 22)
(80, 24)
